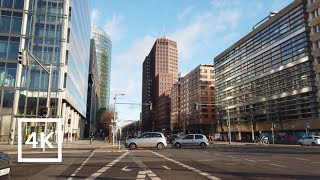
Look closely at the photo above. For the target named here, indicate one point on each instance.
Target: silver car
(5, 165)
(147, 139)
(191, 140)
(310, 141)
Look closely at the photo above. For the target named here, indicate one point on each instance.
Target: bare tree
(105, 119)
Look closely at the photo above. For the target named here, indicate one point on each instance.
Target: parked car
(309, 140)
(5, 165)
(147, 139)
(191, 140)
(173, 137)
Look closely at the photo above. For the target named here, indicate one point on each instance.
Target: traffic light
(22, 58)
(196, 106)
(45, 111)
(69, 121)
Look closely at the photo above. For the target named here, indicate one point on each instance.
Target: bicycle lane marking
(105, 168)
(80, 167)
(207, 175)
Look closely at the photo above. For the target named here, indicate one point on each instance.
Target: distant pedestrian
(91, 137)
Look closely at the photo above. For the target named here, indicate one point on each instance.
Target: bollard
(119, 145)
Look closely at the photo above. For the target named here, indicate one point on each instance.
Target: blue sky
(201, 28)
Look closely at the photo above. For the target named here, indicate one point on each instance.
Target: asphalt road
(214, 162)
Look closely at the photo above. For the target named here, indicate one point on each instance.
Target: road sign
(307, 124)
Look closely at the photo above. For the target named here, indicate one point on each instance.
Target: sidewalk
(81, 146)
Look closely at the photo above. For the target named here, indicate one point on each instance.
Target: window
(189, 137)
(146, 135)
(198, 137)
(156, 135)
(70, 13)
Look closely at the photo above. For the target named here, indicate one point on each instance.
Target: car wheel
(313, 144)
(6, 177)
(203, 145)
(177, 145)
(300, 143)
(133, 146)
(160, 146)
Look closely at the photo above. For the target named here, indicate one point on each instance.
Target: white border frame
(59, 131)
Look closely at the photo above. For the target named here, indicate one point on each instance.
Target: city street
(219, 161)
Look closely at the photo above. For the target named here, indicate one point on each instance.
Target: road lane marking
(166, 167)
(230, 156)
(250, 160)
(302, 159)
(125, 169)
(264, 160)
(104, 169)
(217, 154)
(188, 167)
(316, 162)
(277, 165)
(143, 174)
(80, 167)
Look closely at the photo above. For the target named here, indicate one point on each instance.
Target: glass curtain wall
(103, 52)
(10, 26)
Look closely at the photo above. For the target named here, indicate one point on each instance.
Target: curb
(50, 152)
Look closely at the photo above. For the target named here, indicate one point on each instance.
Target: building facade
(160, 72)
(50, 32)
(92, 122)
(193, 102)
(267, 82)
(103, 52)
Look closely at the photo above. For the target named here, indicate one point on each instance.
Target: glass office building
(266, 80)
(40, 27)
(103, 54)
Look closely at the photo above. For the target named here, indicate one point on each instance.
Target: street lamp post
(229, 125)
(272, 13)
(114, 115)
(48, 92)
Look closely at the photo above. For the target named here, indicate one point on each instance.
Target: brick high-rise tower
(160, 72)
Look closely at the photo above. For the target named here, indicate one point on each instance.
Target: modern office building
(160, 72)
(50, 32)
(93, 93)
(103, 51)
(267, 81)
(193, 102)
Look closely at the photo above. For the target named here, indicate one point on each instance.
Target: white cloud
(112, 27)
(197, 33)
(185, 12)
(277, 5)
(229, 37)
(95, 16)
(136, 52)
(127, 69)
